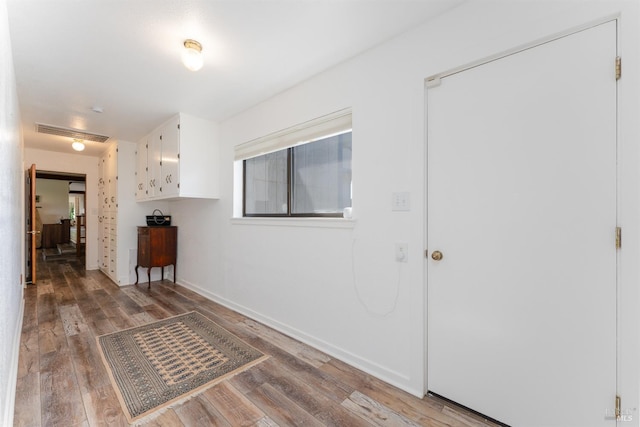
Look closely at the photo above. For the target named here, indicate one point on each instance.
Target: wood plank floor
(62, 382)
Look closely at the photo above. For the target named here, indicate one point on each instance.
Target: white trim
(331, 124)
(435, 80)
(311, 222)
(12, 379)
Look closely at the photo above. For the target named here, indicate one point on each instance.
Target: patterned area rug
(165, 362)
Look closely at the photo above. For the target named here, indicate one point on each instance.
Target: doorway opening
(60, 199)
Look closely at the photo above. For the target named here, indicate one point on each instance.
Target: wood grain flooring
(62, 382)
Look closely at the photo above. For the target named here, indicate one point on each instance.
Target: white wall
(11, 225)
(336, 284)
(54, 200)
(74, 163)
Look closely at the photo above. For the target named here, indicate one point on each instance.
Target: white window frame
(312, 130)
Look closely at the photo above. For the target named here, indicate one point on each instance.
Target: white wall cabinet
(118, 212)
(179, 159)
(141, 169)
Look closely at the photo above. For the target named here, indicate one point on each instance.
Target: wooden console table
(157, 247)
(52, 234)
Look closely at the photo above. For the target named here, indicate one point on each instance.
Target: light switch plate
(400, 201)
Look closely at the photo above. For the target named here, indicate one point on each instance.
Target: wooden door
(32, 231)
(522, 207)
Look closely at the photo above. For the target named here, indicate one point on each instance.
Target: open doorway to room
(60, 212)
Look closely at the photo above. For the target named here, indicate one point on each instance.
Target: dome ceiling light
(77, 144)
(192, 55)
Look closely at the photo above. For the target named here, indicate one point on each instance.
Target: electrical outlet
(402, 252)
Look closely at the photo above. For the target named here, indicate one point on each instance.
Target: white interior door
(522, 205)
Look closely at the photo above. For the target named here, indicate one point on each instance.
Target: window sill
(296, 222)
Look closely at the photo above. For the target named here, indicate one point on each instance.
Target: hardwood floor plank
(375, 412)
(137, 296)
(280, 408)
(47, 307)
(30, 317)
(200, 412)
(113, 310)
(266, 422)
(51, 337)
(166, 304)
(44, 287)
(72, 320)
(29, 359)
(156, 311)
(27, 408)
(60, 399)
(167, 419)
(204, 303)
(466, 419)
(235, 407)
(296, 348)
(64, 294)
(143, 318)
(423, 411)
(85, 357)
(325, 384)
(103, 408)
(313, 394)
(251, 379)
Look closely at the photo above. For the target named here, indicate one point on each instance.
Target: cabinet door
(103, 180)
(112, 175)
(141, 170)
(163, 241)
(101, 173)
(154, 156)
(100, 239)
(144, 247)
(113, 257)
(170, 157)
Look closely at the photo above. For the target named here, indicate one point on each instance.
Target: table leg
(149, 276)
(136, 274)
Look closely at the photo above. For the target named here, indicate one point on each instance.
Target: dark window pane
(266, 184)
(321, 175)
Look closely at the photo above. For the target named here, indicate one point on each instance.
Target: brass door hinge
(618, 67)
(618, 237)
(618, 407)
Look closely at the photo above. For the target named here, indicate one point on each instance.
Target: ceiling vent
(70, 133)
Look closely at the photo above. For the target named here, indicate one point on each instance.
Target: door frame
(434, 81)
(30, 229)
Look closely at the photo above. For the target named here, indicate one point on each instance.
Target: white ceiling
(124, 56)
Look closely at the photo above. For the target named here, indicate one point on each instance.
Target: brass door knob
(436, 255)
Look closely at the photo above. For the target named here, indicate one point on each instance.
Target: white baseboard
(389, 376)
(13, 373)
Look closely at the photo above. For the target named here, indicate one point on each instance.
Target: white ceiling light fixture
(192, 55)
(77, 145)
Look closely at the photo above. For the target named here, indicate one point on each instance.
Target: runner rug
(168, 361)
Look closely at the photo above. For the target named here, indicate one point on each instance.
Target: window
(309, 176)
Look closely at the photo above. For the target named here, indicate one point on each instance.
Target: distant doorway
(60, 202)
